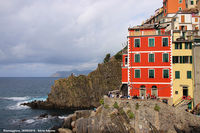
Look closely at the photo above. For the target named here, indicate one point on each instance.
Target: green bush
(157, 108)
(118, 56)
(107, 58)
(101, 101)
(106, 106)
(121, 111)
(130, 114)
(137, 106)
(115, 105)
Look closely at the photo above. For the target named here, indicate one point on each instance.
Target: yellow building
(182, 60)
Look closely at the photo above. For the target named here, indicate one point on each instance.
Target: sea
(13, 116)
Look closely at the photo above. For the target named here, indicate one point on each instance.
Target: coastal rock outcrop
(135, 116)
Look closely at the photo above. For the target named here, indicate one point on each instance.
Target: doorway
(124, 90)
(185, 91)
(142, 91)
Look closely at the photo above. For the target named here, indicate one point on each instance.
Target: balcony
(147, 33)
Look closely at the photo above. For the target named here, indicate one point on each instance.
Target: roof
(149, 26)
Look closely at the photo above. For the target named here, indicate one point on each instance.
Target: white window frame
(126, 64)
(149, 41)
(149, 56)
(168, 73)
(134, 73)
(162, 41)
(153, 74)
(134, 42)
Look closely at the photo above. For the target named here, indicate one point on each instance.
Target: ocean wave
(17, 106)
(15, 98)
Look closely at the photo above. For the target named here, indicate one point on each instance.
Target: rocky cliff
(132, 116)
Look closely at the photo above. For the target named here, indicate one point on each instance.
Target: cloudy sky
(40, 37)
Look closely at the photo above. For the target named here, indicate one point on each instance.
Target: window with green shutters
(137, 73)
(165, 73)
(188, 45)
(151, 73)
(151, 57)
(165, 57)
(177, 74)
(165, 42)
(190, 59)
(137, 58)
(178, 45)
(189, 74)
(137, 43)
(151, 42)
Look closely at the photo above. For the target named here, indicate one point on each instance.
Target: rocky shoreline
(131, 116)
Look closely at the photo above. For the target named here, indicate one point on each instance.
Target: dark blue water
(14, 91)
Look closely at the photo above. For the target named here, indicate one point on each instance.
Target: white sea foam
(17, 106)
(30, 121)
(15, 98)
(62, 117)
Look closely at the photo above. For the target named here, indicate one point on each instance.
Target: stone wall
(196, 56)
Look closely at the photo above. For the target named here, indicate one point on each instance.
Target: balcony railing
(147, 33)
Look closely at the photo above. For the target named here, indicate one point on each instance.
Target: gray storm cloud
(39, 37)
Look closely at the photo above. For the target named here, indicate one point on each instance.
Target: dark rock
(45, 115)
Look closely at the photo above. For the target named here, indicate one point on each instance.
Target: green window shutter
(190, 45)
(151, 42)
(165, 42)
(177, 74)
(151, 74)
(186, 45)
(176, 45)
(137, 73)
(165, 57)
(189, 74)
(180, 45)
(166, 73)
(151, 58)
(191, 59)
(181, 59)
(137, 43)
(137, 58)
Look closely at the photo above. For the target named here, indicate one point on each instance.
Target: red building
(147, 65)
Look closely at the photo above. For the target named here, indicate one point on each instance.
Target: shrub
(107, 58)
(137, 106)
(130, 114)
(157, 108)
(115, 105)
(118, 56)
(121, 111)
(101, 101)
(106, 106)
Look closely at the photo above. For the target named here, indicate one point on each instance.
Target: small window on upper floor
(137, 43)
(192, 2)
(137, 58)
(126, 60)
(165, 42)
(166, 73)
(179, 8)
(178, 45)
(188, 45)
(180, 1)
(165, 57)
(151, 42)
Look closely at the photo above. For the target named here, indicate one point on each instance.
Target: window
(178, 45)
(181, 59)
(175, 59)
(177, 74)
(165, 42)
(180, 8)
(188, 45)
(185, 59)
(151, 42)
(137, 73)
(126, 60)
(189, 74)
(137, 43)
(192, 2)
(137, 58)
(180, 1)
(154, 91)
(151, 58)
(165, 73)
(151, 73)
(165, 57)
(176, 92)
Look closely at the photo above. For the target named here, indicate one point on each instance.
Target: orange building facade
(173, 6)
(147, 67)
